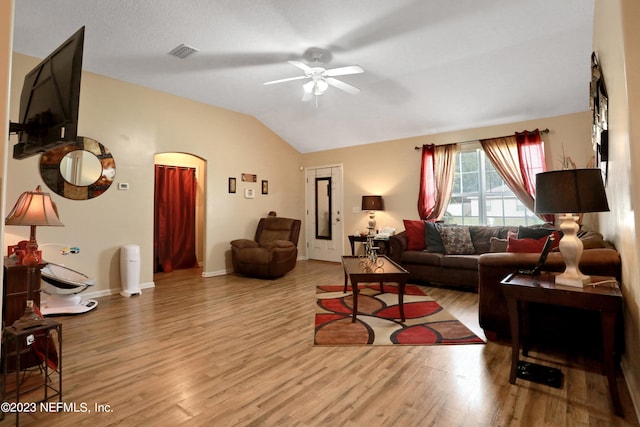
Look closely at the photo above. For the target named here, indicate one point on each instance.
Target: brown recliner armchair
(272, 253)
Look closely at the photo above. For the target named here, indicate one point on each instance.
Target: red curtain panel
(174, 237)
(427, 194)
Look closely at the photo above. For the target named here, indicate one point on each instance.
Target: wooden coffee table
(356, 270)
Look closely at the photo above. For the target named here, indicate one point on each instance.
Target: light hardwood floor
(233, 351)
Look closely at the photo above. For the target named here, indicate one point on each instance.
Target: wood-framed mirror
(323, 208)
(79, 171)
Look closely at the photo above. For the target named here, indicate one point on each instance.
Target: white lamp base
(571, 249)
(579, 281)
(372, 223)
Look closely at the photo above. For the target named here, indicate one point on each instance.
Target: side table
(603, 296)
(18, 342)
(15, 280)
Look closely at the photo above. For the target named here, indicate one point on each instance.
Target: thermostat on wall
(123, 186)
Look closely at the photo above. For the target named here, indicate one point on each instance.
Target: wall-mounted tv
(50, 100)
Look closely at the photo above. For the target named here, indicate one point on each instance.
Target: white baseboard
(230, 270)
(98, 294)
(634, 389)
(216, 273)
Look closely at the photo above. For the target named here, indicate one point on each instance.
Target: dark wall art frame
(599, 105)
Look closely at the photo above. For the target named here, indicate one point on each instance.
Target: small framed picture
(249, 193)
(265, 187)
(232, 185)
(249, 177)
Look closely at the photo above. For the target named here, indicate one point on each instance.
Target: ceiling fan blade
(343, 86)
(304, 67)
(343, 71)
(285, 80)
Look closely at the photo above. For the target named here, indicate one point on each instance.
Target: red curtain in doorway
(174, 235)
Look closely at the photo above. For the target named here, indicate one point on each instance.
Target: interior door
(324, 213)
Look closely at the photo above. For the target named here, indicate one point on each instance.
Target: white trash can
(130, 270)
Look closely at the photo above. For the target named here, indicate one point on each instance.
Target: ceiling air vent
(182, 51)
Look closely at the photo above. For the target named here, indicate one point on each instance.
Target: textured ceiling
(430, 65)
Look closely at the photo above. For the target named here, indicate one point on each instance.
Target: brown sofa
(483, 270)
(272, 253)
(440, 268)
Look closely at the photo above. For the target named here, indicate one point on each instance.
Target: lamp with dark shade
(372, 204)
(33, 208)
(570, 192)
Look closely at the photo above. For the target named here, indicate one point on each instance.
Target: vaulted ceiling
(430, 66)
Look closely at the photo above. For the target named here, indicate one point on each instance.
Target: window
(480, 196)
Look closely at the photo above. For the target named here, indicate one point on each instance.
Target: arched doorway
(198, 165)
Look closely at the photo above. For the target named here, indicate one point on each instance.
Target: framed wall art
(265, 187)
(232, 185)
(249, 177)
(599, 105)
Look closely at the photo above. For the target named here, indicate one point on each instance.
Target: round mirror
(80, 168)
(78, 171)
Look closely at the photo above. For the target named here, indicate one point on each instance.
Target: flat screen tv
(50, 100)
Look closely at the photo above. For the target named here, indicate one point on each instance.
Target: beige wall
(135, 123)
(616, 39)
(6, 44)
(392, 168)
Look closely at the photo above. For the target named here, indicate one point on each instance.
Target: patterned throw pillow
(497, 245)
(457, 240)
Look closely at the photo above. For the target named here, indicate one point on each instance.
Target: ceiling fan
(321, 78)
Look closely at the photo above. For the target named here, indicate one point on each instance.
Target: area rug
(378, 320)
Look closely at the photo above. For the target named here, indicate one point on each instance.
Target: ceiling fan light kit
(320, 77)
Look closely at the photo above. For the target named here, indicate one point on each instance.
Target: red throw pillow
(415, 234)
(524, 245)
(528, 245)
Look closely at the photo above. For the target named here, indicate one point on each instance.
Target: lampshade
(372, 203)
(34, 208)
(570, 191)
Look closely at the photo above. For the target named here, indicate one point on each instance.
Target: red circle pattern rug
(378, 318)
